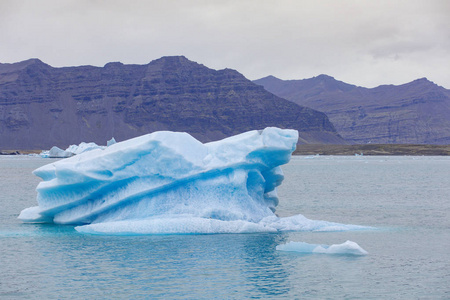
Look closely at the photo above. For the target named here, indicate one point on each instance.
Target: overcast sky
(362, 42)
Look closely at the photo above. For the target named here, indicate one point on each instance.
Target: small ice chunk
(83, 147)
(347, 248)
(112, 141)
(56, 152)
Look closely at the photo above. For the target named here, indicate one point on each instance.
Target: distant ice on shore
(56, 152)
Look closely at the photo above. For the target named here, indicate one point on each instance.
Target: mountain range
(42, 106)
(414, 113)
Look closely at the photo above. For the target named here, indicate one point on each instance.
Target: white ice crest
(347, 248)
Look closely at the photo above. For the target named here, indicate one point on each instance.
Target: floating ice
(83, 147)
(112, 141)
(169, 182)
(188, 224)
(72, 150)
(348, 248)
(56, 152)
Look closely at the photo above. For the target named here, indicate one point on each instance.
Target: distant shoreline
(320, 149)
(374, 149)
(19, 152)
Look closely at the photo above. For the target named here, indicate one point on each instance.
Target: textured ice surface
(348, 248)
(169, 182)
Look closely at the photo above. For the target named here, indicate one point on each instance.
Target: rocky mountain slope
(42, 106)
(414, 113)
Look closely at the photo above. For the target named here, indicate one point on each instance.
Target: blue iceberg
(169, 182)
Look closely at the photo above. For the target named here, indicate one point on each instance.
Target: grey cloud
(363, 42)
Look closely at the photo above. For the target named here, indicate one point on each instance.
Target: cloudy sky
(363, 42)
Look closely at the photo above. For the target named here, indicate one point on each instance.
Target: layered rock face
(414, 113)
(42, 106)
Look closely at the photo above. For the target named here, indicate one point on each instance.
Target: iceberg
(347, 248)
(56, 152)
(83, 147)
(169, 182)
(112, 141)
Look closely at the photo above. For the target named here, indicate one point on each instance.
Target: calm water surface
(406, 198)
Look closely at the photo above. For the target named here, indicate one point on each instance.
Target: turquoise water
(406, 198)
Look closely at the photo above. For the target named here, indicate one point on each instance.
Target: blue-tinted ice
(169, 182)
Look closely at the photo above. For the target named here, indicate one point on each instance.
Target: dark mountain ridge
(42, 106)
(413, 113)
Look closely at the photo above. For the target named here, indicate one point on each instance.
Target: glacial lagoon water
(406, 198)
